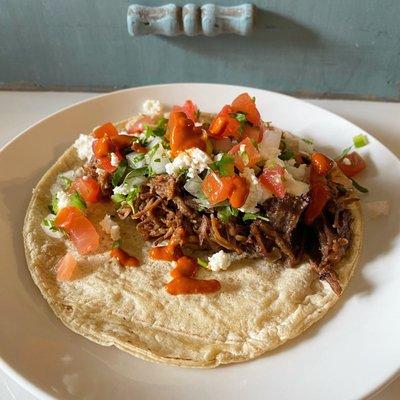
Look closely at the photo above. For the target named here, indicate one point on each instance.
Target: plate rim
(42, 394)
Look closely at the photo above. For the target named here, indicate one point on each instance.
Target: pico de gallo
(226, 184)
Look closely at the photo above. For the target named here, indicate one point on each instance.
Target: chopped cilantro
(202, 262)
(53, 207)
(132, 195)
(118, 198)
(241, 117)
(225, 165)
(158, 130)
(66, 182)
(344, 153)
(226, 213)
(116, 244)
(76, 200)
(252, 217)
(49, 223)
(118, 175)
(286, 154)
(360, 188)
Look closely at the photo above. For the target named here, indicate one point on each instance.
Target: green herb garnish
(118, 175)
(118, 198)
(76, 200)
(360, 140)
(116, 244)
(344, 153)
(158, 130)
(241, 117)
(53, 207)
(286, 154)
(252, 217)
(202, 262)
(226, 213)
(360, 188)
(66, 182)
(49, 223)
(225, 166)
(130, 198)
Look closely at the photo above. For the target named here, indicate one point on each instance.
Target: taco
(193, 239)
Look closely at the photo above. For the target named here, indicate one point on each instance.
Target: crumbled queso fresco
(219, 261)
(114, 160)
(83, 146)
(111, 227)
(257, 193)
(62, 199)
(194, 159)
(152, 108)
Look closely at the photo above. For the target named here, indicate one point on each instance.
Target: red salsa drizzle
(184, 282)
(124, 258)
(183, 285)
(170, 252)
(185, 266)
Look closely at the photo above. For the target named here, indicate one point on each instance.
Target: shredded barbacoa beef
(163, 205)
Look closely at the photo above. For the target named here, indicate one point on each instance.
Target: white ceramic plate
(350, 354)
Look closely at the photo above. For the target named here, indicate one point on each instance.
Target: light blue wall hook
(190, 20)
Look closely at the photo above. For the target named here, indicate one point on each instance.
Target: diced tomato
(102, 147)
(245, 104)
(319, 194)
(122, 141)
(108, 129)
(321, 163)
(225, 124)
(245, 154)
(133, 127)
(351, 164)
(66, 268)
(183, 134)
(271, 179)
(220, 188)
(80, 230)
(216, 188)
(105, 163)
(139, 148)
(240, 191)
(222, 145)
(252, 132)
(88, 188)
(189, 108)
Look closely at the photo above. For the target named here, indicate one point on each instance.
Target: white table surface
(19, 110)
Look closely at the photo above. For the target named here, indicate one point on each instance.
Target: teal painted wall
(333, 48)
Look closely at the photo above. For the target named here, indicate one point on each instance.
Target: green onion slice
(360, 141)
